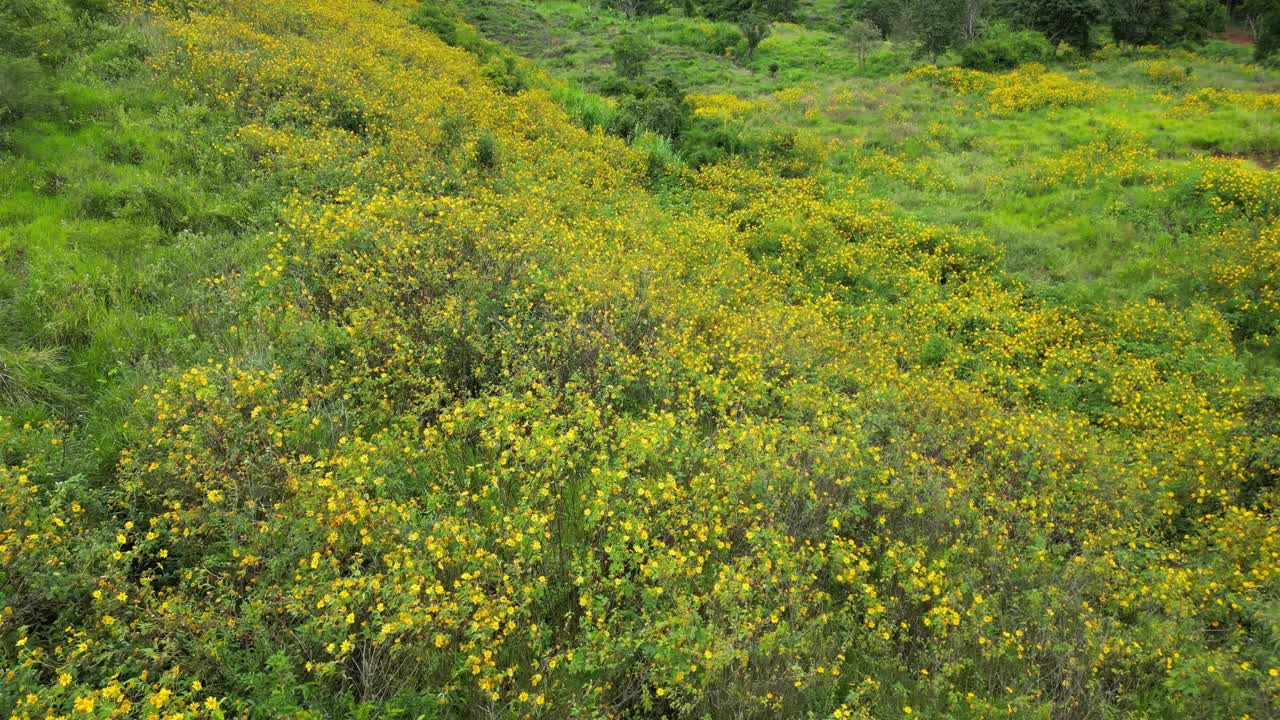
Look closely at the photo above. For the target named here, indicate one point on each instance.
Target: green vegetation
(1005, 49)
(969, 167)
(119, 213)
(725, 359)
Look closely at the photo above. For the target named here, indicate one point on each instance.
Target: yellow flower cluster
(1246, 265)
(1234, 185)
(1029, 87)
(720, 105)
(791, 97)
(957, 79)
(1165, 72)
(1121, 157)
(1032, 87)
(727, 106)
(1212, 98)
(876, 163)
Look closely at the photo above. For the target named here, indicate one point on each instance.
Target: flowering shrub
(1030, 87)
(727, 106)
(1121, 156)
(720, 105)
(956, 79)
(1245, 270)
(512, 438)
(1233, 185)
(791, 96)
(1206, 99)
(1165, 72)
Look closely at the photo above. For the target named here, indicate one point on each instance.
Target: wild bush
(1005, 49)
(24, 90)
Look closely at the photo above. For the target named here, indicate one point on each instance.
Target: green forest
(640, 359)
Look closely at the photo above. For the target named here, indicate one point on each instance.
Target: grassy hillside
(573, 39)
(352, 377)
(1089, 175)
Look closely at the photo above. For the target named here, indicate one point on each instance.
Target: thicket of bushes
(501, 66)
(1006, 49)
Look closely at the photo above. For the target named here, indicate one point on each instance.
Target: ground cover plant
(356, 360)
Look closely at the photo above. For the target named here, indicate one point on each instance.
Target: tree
(1145, 22)
(863, 36)
(886, 15)
(735, 10)
(1068, 21)
(656, 113)
(936, 24)
(634, 8)
(1266, 29)
(755, 27)
(1256, 14)
(973, 13)
(781, 10)
(1202, 18)
(630, 54)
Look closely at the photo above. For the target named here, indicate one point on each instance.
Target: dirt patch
(1237, 35)
(1265, 160)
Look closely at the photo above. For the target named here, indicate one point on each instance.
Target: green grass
(1099, 243)
(119, 213)
(572, 39)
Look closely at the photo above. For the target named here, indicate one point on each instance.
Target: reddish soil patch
(1237, 35)
(1267, 161)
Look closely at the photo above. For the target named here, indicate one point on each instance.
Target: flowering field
(445, 412)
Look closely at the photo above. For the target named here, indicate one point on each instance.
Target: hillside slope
(500, 435)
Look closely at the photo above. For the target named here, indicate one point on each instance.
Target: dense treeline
(940, 25)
